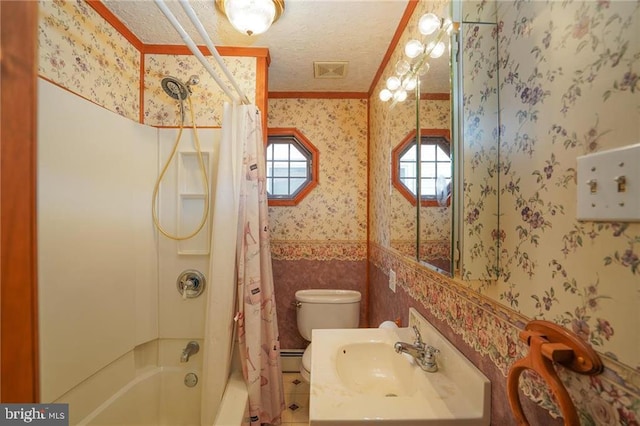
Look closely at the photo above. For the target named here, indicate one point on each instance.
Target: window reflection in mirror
(435, 168)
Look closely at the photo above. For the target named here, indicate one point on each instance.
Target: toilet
(318, 308)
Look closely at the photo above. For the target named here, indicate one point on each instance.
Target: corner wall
(579, 274)
(321, 242)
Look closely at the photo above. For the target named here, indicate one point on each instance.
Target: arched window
(292, 166)
(435, 167)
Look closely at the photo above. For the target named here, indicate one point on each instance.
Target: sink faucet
(425, 355)
(192, 348)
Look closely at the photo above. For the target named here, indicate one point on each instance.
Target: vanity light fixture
(251, 17)
(417, 54)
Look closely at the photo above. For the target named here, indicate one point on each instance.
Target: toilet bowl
(321, 308)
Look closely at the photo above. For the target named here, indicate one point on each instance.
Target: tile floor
(296, 398)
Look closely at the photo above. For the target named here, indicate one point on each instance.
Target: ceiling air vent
(330, 69)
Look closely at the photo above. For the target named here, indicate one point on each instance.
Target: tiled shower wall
(321, 242)
(583, 275)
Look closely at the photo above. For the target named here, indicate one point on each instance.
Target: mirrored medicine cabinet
(445, 213)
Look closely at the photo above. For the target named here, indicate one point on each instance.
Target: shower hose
(203, 175)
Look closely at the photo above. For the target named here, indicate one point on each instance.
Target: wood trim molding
(141, 88)
(180, 49)
(116, 23)
(262, 93)
(435, 96)
(404, 21)
(318, 95)
(19, 381)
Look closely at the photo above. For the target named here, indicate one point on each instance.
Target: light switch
(609, 185)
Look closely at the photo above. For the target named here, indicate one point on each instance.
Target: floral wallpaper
(321, 242)
(567, 83)
(584, 275)
(480, 151)
(336, 209)
(207, 97)
(83, 53)
(491, 330)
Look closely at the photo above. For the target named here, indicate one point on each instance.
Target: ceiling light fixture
(251, 17)
(417, 54)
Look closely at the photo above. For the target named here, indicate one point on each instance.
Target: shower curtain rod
(239, 96)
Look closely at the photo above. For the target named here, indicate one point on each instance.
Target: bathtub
(159, 396)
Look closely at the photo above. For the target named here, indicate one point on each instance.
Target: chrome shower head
(175, 88)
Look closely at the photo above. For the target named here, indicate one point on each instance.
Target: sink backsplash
(450, 360)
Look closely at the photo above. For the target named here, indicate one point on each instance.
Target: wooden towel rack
(549, 343)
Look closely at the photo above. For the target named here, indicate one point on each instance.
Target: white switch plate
(392, 280)
(606, 201)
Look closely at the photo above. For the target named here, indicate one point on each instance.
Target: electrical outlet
(392, 280)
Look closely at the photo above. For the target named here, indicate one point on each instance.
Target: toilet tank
(321, 308)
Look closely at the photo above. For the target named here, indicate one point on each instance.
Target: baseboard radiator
(290, 360)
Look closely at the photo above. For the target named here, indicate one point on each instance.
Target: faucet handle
(430, 351)
(418, 341)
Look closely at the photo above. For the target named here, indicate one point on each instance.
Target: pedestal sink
(358, 378)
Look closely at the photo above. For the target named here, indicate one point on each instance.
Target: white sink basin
(374, 368)
(358, 378)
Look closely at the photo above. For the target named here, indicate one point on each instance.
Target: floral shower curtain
(258, 336)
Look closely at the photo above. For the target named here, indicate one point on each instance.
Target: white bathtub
(160, 397)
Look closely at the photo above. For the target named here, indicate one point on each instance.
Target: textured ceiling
(356, 31)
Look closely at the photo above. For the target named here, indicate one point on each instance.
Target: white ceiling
(356, 31)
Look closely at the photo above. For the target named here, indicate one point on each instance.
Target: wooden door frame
(18, 238)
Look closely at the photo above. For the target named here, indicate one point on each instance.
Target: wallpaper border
(409, 276)
(318, 250)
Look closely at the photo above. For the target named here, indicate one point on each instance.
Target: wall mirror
(421, 197)
(456, 96)
(477, 231)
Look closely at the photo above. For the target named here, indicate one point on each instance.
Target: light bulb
(250, 16)
(393, 83)
(385, 95)
(409, 83)
(424, 69)
(400, 96)
(413, 48)
(437, 50)
(428, 24)
(402, 67)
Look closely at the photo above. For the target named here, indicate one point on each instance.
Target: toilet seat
(305, 365)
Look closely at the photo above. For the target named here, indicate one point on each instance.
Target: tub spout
(192, 348)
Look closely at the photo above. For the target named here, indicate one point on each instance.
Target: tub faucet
(192, 348)
(425, 355)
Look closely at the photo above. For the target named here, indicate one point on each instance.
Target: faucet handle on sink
(418, 342)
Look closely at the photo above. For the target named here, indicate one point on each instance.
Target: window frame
(312, 182)
(400, 149)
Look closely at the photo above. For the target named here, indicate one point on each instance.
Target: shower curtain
(258, 337)
(241, 222)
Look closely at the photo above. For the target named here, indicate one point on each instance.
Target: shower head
(175, 88)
